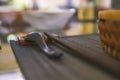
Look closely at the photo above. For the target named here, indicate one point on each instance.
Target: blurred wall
(62, 2)
(52, 3)
(103, 3)
(116, 4)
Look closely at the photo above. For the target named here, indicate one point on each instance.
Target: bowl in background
(48, 19)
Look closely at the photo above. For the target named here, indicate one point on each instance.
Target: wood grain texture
(35, 65)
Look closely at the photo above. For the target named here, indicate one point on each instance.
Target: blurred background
(63, 17)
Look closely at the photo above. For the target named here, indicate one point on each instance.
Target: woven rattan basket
(109, 28)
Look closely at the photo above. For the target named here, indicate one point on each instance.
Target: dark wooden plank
(37, 66)
(84, 47)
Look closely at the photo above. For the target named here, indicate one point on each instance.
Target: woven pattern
(109, 35)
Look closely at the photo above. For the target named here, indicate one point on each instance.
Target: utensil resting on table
(38, 38)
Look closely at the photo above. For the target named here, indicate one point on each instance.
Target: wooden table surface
(37, 66)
